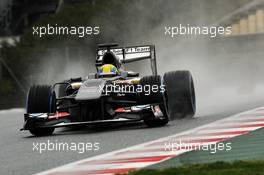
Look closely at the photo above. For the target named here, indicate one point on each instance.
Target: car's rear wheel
(153, 96)
(41, 99)
(180, 94)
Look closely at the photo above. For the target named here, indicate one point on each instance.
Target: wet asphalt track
(18, 157)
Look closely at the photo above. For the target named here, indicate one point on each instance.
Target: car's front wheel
(41, 99)
(153, 95)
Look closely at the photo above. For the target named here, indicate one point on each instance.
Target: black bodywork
(94, 99)
(112, 97)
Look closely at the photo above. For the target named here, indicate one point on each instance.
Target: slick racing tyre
(41, 99)
(151, 97)
(180, 94)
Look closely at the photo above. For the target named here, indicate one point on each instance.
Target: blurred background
(227, 69)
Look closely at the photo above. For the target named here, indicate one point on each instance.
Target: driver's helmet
(111, 63)
(110, 58)
(108, 68)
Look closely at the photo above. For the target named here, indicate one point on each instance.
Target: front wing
(61, 119)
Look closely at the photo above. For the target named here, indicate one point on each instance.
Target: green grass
(217, 168)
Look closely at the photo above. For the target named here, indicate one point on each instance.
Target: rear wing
(129, 54)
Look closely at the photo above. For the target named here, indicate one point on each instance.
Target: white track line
(152, 152)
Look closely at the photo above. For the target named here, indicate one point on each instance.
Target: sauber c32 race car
(113, 96)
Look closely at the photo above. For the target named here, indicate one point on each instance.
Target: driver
(111, 64)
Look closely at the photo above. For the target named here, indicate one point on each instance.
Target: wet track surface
(18, 157)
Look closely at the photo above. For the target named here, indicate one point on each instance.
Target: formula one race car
(112, 95)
